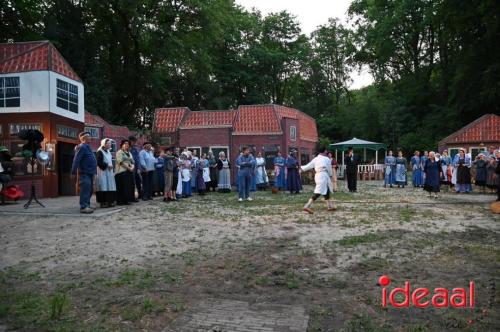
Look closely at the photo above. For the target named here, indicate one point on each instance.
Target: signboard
(15, 128)
(67, 132)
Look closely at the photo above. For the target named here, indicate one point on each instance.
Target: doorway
(65, 153)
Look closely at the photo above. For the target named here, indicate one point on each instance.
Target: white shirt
(322, 165)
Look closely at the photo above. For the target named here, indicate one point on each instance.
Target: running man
(323, 169)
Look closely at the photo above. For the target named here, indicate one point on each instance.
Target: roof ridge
(23, 52)
(52, 48)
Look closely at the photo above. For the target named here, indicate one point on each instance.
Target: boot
(307, 207)
(330, 205)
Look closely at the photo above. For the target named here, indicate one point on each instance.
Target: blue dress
(390, 171)
(293, 183)
(279, 167)
(417, 171)
(432, 170)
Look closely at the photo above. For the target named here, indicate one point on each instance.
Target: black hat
(83, 133)
(146, 143)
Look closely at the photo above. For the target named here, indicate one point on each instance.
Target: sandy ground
(139, 268)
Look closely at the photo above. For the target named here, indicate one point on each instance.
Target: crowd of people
(141, 173)
(432, 170)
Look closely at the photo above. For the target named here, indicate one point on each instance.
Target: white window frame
(198, 148)
(68, 93)
(221, 147)
(453, 148)
(479, 150)
(293, 129)
(3, 96)
(90, 129)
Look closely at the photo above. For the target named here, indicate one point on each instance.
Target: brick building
(100, 129)
(39, 90)
(474, 137)
(264, 128)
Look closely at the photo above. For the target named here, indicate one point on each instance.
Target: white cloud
(311, 14)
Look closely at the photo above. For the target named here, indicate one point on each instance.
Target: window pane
(73, 107)
(1, 93)
(12, 81)
(62, 94)
(62, 103)
(73, 88)
(14, 102)
(62, 85)
(1, 82)
(1, 103)
(73, 98)
(11, 92)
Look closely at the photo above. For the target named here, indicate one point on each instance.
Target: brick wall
(204, 137)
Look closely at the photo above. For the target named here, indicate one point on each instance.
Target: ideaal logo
(423, 297)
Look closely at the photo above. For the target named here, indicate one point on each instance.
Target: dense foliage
(436, 63)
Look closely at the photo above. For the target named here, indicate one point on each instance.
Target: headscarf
(103, 143)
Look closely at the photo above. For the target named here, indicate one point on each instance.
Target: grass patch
(360, 239)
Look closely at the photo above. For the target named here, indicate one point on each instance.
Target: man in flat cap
(86, 164)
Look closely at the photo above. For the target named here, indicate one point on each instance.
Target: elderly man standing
(147, 166)
(86, 164)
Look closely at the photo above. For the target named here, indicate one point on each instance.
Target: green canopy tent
(356, 143)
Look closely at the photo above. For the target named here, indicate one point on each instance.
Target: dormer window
(9, 92)
(67, 96)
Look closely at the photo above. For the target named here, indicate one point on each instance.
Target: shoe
(240, 200)
(135, 201)
(249, 199)
(308, 210)
(86, 210)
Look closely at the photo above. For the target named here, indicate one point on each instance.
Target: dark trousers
(498, 192)
(86, 188)
(352, 180)
(147, 185)
(138, 184)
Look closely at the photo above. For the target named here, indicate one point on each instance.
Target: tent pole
(364, 155)
(376, 157)
(343, 166)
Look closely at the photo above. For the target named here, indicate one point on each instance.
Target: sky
(310, 14)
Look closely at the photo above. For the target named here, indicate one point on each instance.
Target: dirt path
(143, 267)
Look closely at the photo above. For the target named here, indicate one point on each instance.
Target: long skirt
(279, 173)
(390, 175)
(463, 179)
(417, 177)
(125, 190)
(159, 180)
(400, 176)
(335, 184)
(293, 182)
(105, 186)
(224, 183)
(200, 182)
(213, 178)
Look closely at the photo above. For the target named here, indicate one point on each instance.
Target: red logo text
(423, 297)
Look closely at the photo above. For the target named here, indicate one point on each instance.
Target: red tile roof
(116, 133)
(483, 130)
(307, 124)
(94, 120)
(246, 120)
(256, 120)
(209, 119)
(168, 120)
(34, 56)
